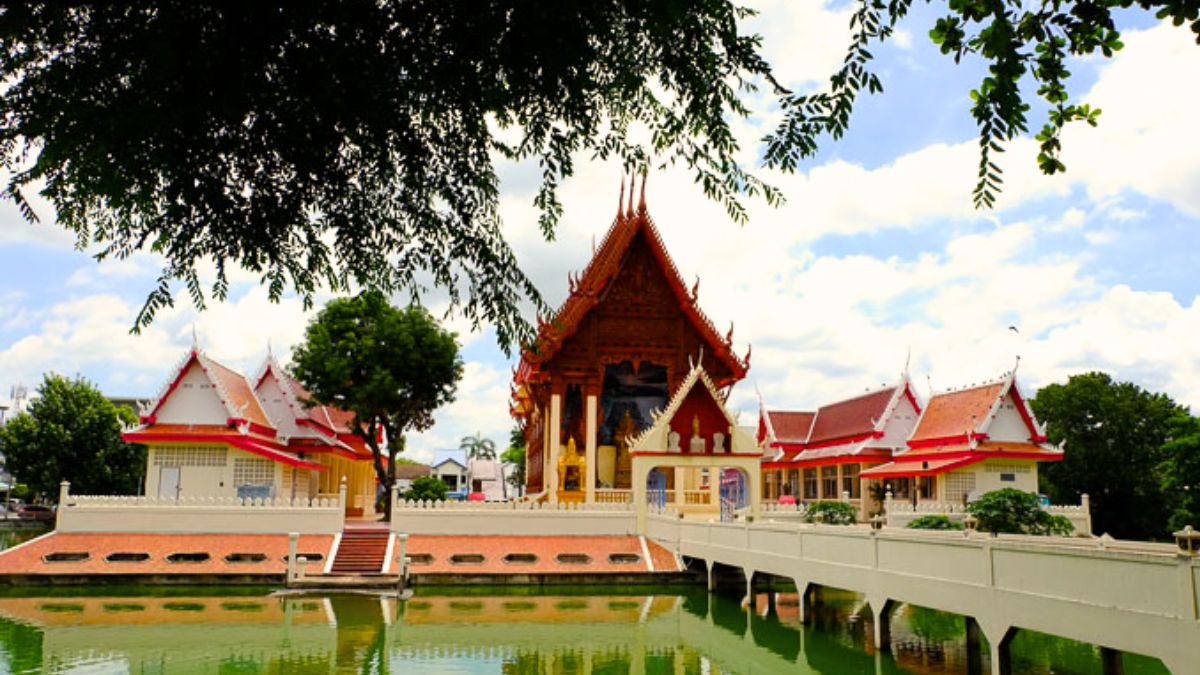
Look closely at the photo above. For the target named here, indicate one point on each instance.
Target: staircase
(361, 551)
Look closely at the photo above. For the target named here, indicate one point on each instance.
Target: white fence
(512, 518)
(200, 515)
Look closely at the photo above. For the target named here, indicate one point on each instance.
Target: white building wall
(990, 475)
(900, 426)
(193, 401)
(275, 403)
(1008, 425)
(208, 470)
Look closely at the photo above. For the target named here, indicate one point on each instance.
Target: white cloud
(902, 39)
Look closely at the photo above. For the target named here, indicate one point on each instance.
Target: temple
(211, 433)
(624, 340)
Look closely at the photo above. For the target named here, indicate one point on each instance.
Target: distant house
(450, 467)
(407, 473)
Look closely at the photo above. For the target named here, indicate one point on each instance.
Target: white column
(754, 485)
(680, 486)
(589, 495)
(555, 426)
(714, 486)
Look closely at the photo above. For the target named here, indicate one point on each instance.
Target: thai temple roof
(587, 288)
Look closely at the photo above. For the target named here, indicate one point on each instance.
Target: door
(168, 482)
(656, 488)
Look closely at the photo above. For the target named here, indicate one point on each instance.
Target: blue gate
(656, 488)
(733, 493)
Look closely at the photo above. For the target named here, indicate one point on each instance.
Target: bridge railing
(901, 513)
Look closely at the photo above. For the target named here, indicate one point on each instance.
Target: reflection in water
(586, 632)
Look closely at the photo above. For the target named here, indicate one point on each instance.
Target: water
(510, 631)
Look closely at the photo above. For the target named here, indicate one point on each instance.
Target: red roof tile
(851, 417)
(955, 413)
(791, 426)
(241, 395)
(597, 549)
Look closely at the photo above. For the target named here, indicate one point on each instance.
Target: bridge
(1124, 596)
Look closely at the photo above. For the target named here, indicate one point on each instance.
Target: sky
(878, 258)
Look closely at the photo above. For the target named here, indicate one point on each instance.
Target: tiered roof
(248, 426)
(846, 430)
(957, 430)
(586, 291)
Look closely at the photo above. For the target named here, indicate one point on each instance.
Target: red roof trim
(912, 398)
(1026, 416)
(957, 460)
(842, 440)
(946, 440)
(695, 454)
(258, 446)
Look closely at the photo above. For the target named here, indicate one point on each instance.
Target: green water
(583, 630)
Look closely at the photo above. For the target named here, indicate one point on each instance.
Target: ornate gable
(630, 303)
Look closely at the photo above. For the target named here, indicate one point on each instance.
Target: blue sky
(877, 253)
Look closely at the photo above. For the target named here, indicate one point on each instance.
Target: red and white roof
(865, 427)
(208, 402)
(966, 426)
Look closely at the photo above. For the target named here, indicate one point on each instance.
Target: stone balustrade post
(64, 492)
(1085, 503)
(402, 560)
(293, 541)
(342, 494)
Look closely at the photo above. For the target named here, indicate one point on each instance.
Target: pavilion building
(969, 442)
(211, 433)
(622, 343)
(821, 455)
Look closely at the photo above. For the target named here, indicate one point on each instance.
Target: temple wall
(211, 471)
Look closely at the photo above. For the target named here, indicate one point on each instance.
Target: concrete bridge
(1122, 596)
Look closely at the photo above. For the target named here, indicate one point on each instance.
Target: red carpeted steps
(361, 552)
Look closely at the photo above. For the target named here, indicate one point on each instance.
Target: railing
(613, 496)
(513, 518)
(213, 515)
(696, 497)
(901, 513)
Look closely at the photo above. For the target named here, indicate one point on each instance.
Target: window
(794, 482)
(1008, 477)
(189, 457)
(829, 482)
(850, 482)
(246, 557)
(926, 487)
(254, 477)
(959, 485)
(624, 558)
(810, 483)
(574, 558)
(899, 488)
(466, 559)
(520, 558)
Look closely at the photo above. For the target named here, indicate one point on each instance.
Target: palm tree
(478, 447)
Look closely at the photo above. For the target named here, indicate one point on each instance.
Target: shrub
(934, 522)
(426, 488)
(831, 513)
(1013, 511)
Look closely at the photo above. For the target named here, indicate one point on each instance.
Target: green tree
(71, 432)
(1180, 472)
(1113, 435)
(426, 488)
(515, 457)
(1013, 511)
(354, 144)
(392, 368)
(478, 447)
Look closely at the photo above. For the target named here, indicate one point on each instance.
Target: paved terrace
(1123, 596)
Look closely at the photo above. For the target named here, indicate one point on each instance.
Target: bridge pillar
(1001, 657)
(708, 565)
(748, 600)
(802, 600)
(1112, 661)
(882, 610)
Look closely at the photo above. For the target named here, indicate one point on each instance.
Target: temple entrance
(627, 397)
(656, 488)
(733, 493)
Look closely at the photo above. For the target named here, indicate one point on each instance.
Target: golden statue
(571, 468)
